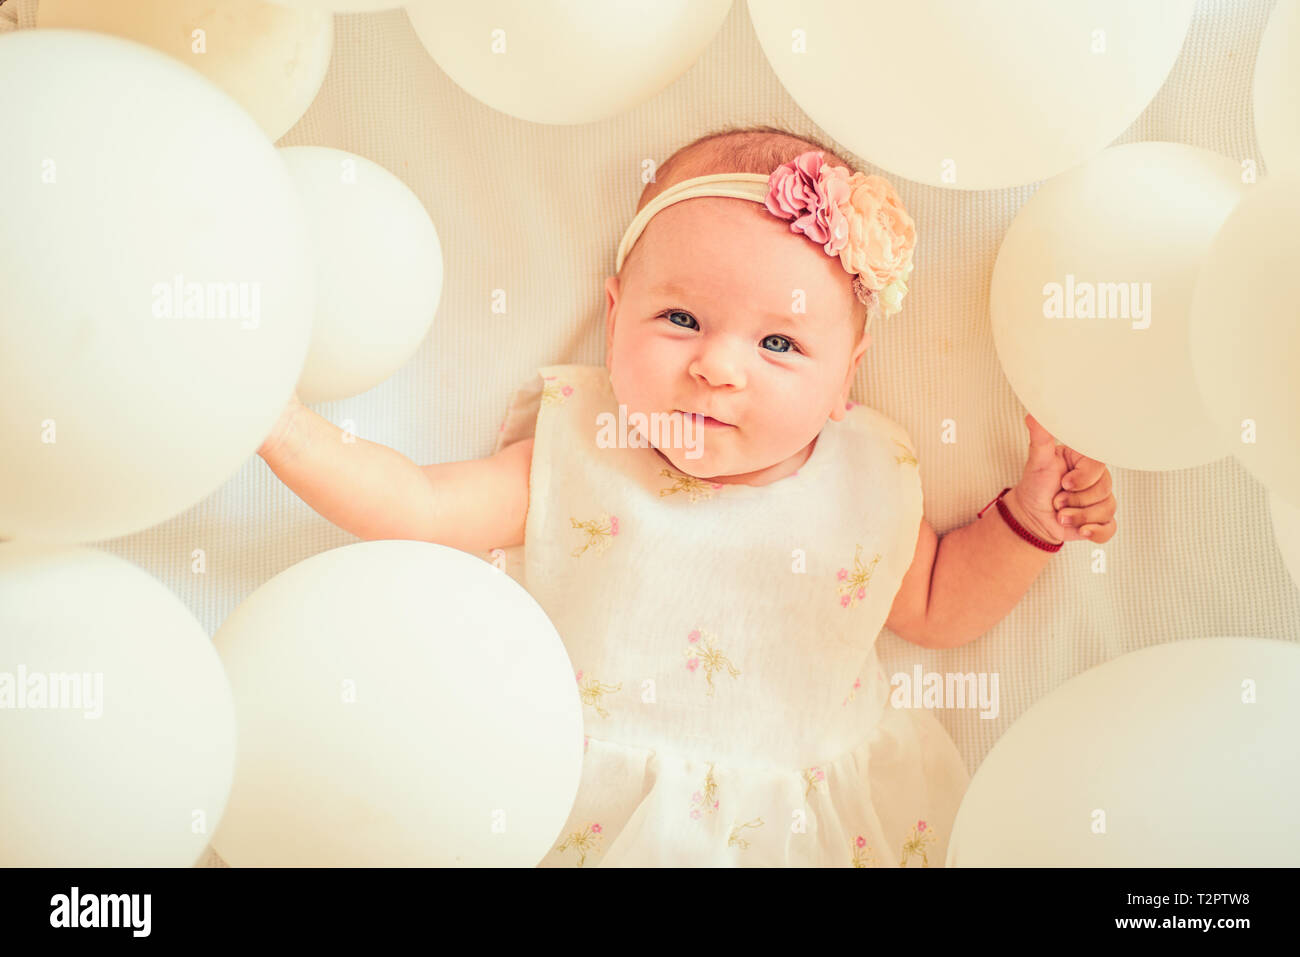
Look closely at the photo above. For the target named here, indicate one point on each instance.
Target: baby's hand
(1066, 495)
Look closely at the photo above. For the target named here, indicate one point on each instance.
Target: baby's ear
(611, 306)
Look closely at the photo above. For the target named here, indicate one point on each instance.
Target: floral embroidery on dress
(591, 690)
(908, 457)
(583, 841)
(555, 390)
(853, 584)
(916, 843)
(813, 777)
(735, 840)
(707, 800)
(857, 683)
(694, 488)
(700, 650)
(862, 855)
(600, 533)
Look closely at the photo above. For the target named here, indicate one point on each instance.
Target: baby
(719, 586)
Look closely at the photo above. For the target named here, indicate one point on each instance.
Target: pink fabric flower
(862, 592)
(692, 663)
(567, 390)
(579, 675)
(821, 775)
(595, 829)
(693, 637)
(613, 525)
(844, 573)
(844, 601)
(861, 841)
(810, 195)
(857, 682)
(695, 813)
(920, 825)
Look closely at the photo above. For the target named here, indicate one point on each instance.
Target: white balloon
(972, 95)
(1120, 237)
(400, 703)
(127, 758)
(566, 61)
(1184, 752)
(378, 270)
(1245, 333)
(1277, 89)
(156, 281)
(269, 58)
(1286, 532)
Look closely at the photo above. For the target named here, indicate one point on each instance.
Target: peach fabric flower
(881, 234)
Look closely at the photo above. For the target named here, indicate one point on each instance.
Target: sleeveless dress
(723, 643)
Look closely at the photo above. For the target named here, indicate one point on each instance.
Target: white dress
(723, 642)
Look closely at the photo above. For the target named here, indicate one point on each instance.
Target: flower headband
(856, 217)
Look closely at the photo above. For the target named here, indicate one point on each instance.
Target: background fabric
(537, 211)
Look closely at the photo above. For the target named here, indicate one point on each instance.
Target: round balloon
(1180, 755)
(573, 62)
(378, 270)
(117, 726)
(1090, 296)
(400, 703)
(977, 95)
(1286, 532)
(1277, 89)
(269, 58)
(157, 286)
(1245, 340)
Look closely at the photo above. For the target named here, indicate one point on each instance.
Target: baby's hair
(739, 149)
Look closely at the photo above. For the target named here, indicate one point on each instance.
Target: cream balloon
(117, 726)
(156, 281)
(400, 703)
(1090, 296)
(1277, 89)
(269, 58)
(572, 62)
(1286, 532)
(1245, 334)
(972, 95)
(378, 270)
(1179, 755)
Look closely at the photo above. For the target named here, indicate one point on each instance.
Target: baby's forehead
(707, 239)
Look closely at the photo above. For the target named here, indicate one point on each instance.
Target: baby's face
(727, 313)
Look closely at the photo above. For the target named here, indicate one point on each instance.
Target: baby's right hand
(277, 433)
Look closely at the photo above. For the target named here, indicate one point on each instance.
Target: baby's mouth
(708, 421)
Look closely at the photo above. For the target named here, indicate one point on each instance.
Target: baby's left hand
(1065, 493)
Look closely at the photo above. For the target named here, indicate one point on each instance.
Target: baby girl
(720, 598)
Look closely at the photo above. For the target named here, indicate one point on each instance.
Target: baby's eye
(677, 312)
(789, 344)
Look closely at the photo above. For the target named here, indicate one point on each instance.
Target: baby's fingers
(1091, 522)
(1093, 495)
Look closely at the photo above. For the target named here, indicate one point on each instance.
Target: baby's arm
(960, 586)
(375, 492)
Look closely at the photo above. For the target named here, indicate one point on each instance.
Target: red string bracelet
(1016, 527)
